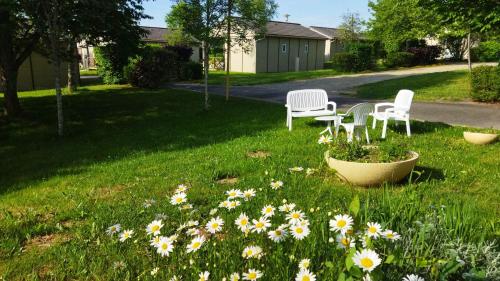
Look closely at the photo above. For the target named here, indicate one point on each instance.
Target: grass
(443, 86)
(124, 146)
(88, 72)
(242, 79)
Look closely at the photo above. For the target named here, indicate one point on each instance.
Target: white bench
(308, 103)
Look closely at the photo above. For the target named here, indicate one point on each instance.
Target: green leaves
(355, 206)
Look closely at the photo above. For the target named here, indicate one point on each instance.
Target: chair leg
(287, 119)
(384, 130)
(367, 135)
(374, 123)
(408, 131)
(290, 123)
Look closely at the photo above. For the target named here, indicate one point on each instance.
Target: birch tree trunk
(468, 53)
(54, 36)
(206, 65)
(228, 47)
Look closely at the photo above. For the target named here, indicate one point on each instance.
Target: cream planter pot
(479, 138)
(372, 174)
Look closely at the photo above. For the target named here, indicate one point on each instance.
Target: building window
(306, 48)
(284, 48)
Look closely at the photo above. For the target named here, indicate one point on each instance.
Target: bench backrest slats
(306, 100)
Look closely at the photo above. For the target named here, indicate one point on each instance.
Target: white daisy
(214, 225)
(286, 208)
(126, 234)
(276, 185)
(252, 274)
(342, 223)
(344, 242)
(193, 231)
(391, 235)
(154, 227)
(113, 229)
(234, 193)
(248, 194)
(252, 252)
(374, 230)
(260, 225)
(242, 222)
(193, 223)
(204, 276)
(305, 275)
(366, 260)
(310, 171)
(235, 277)
(304, 264)
(367, 278)
(233, 205)
(268, 211)
(178, 198)
(165, 246)
(154, 271)
(277, 235)
(325, 140)
(195, 244)
(175, 278)
(181, 188)
(224, 204)
(155, 241)
(299, 232)
(148, 203)
(295, 217)
(296, 169)
(413, 277)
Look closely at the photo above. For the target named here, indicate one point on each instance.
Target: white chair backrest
(402, 104)
(303, 100)
(360, 112)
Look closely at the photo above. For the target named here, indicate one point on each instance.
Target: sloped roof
(155, 34)
(294, 30)
(327, 31)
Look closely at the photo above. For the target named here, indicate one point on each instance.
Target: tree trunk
(228, 47)
(11, 100)
(73, 70)
(54, 37)
(468, 53)
(206, 65)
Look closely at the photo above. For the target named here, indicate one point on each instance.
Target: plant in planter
(481, 136)
(369, 165)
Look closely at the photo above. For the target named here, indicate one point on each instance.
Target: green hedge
(399, 59)
(357, 57)
(487, 51)
(485, 83)
(344, 61)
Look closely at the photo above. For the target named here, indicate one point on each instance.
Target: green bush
(363, 53)
(399, 59)
(328, 65)
(154, 68)
(111, 61)
(485, 83)
(191, 71)
(344, 61)
(487, 51)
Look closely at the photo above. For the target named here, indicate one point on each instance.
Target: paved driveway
(470, 114)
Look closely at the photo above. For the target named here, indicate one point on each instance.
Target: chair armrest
(333, 104)
(377, 105)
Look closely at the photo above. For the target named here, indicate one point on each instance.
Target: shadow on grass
(108, 125)
(417, 127)
(426, 174)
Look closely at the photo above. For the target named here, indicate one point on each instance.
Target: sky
(306, 12)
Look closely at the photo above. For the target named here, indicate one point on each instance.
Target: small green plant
(485, 83)
(396, 59)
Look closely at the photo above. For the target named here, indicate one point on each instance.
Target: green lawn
(242, 79)
(125, 146)
(88, 72)
(443, 86)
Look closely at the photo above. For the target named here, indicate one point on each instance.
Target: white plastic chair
(398, 111)
(360, 113)
(308, 103)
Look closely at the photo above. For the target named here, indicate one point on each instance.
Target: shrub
(191, 71)
(425, 55)
(363, 53)
(399, 59)
(183, 53)
(485, 83)
(156, 67)
(328, 65)
(487, 51)
(344, 61)
(111, 61)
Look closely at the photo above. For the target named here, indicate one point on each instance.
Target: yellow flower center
(372, 229)
(366, 262)
(295, 215)
(390, 235)
(155, 228)
(259, 225)
(249, 252)
(164, 246)
(299, 230)
(215, 225)
(244, 222)
(196, 245)
(178, 200)
(278, 232)
(345, 242)
(341, 223)
(252, 275)
(306, 278)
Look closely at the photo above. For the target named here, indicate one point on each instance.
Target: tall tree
(480, 16)
(245, 21)
(19, 35)
(204, 21)
(351, 27)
